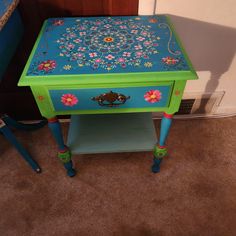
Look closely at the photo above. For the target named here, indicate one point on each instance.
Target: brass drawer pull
(111, 99)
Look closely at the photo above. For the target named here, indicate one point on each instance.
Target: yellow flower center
(46, 65)
(108, 39)
(69, 99)
(153, 96)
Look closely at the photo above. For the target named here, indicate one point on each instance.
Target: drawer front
(99, 98)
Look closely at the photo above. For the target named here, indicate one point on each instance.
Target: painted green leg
(160, 150)
(63, 151)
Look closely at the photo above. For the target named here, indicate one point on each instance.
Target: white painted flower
(110, 57)
(140, 38)
(126, 54)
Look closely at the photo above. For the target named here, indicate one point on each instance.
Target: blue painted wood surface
(5, 130)
(98, 45)
(111, 133)
(165, 127)
(10, 37)
(4, 5)
(84, 102)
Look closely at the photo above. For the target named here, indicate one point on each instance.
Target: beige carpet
(117, 195)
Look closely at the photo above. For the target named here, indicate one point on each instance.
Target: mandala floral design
(108, 43)
(69, 99)
(46, 66)
(152, 96)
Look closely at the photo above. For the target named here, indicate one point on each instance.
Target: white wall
(208, 31)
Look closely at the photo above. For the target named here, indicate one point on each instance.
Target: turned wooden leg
(160, 149)
(63, 151)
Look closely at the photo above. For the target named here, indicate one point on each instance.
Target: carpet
(116, 194)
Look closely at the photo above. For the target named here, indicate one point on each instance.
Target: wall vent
(204, 104)
(186, 107)
(198, 104)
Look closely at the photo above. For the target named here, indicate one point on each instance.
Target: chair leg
(18, 125)
(12, 139)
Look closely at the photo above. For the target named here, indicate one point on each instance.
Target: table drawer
(110, 98)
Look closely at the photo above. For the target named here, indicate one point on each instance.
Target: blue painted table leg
(160, 150)
(12, 139)
(63, 151)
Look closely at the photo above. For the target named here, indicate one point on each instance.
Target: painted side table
(102, 65)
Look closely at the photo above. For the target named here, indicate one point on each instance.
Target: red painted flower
(47, 65)
(69, 99)
(152, 20)
(58, 22)
(170, 60)
(152, 96)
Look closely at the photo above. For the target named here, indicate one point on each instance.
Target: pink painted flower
(93, 54)
(139, 54)
(118, 22)
(69, 99)
(107, 26)
(140, 38)
(110, 57)
(134, 31)
(134, 26)
(137, 47)
(77, 40)
(81, 49)
(58, 22)
(82, 33)
(152, 96)
(47, 65)
(126, 54)
(98, 60)
(123, 26)
(70, 46)
(121, 59)
(79, 54)
(146, 43)
(144, 33)
(72, 35)
(170, 60)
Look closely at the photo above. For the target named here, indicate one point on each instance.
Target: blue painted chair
(11, 31)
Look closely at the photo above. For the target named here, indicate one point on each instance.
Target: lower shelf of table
(110, 133)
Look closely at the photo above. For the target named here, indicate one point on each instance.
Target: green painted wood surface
(111, 133)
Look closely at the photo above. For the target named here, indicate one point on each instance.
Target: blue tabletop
(98, 45)
(6, 9)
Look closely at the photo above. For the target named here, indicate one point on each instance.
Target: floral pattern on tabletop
(42, 67)
(152, 96)
(69, 99)
(172, 62)
(107, 44)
